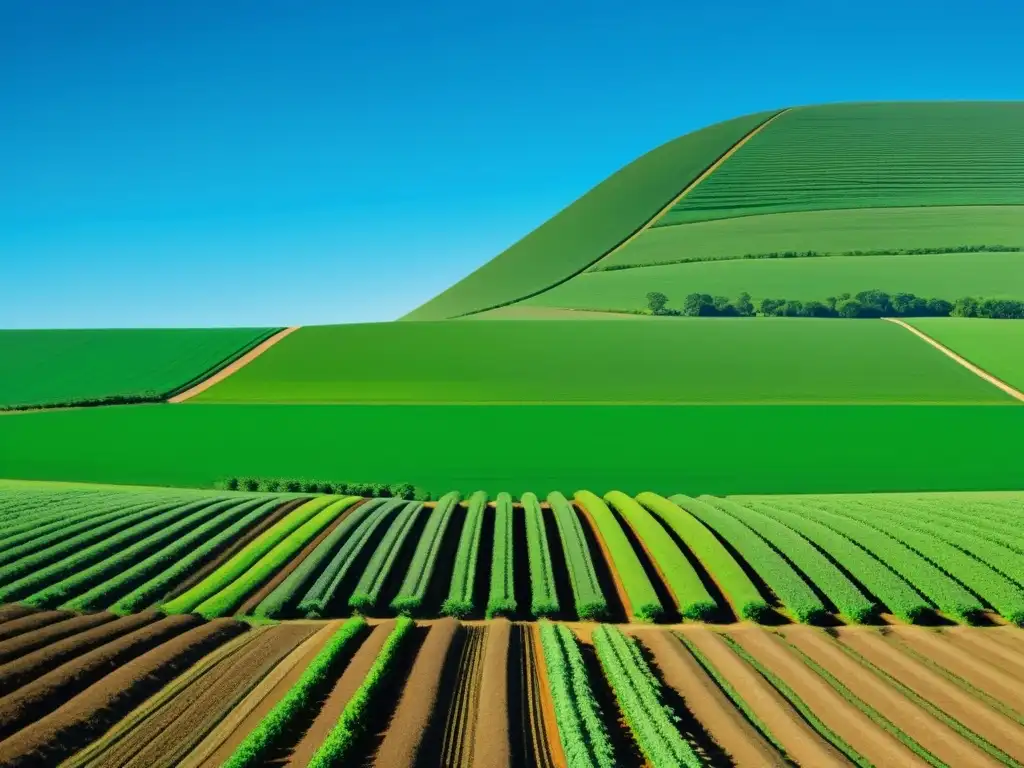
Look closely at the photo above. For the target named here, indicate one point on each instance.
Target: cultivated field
(994, 346)
(52, 368)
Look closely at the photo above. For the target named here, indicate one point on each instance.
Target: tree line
(866, 304)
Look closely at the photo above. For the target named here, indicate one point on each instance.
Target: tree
(965, 307)
(830, 302)
(908, 305)
(697, 304)
(744, 306)
(816, 309)
(723, 307)
(792, 308)
(938, 307)
(875, 302)
(851, 308)
(772, 307)
(656, 302)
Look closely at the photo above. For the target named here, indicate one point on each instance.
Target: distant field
(869, 156)
(945, 276)
(996, 346)
(66, 367)
(864, 229)
(699, 360)
(666, 449)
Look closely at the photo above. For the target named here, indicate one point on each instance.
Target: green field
(832, 232)
(879, 155)
(996, 346)
(700, 360)
(945, 276)
(667, 449)
(596, 223)
(46, 368)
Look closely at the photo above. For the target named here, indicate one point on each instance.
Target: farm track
(460, 729)
(492, 746)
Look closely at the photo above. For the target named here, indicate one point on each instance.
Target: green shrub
(501, 600)
(589, 600)
(424, 560)
(460, 596)
(544, 599)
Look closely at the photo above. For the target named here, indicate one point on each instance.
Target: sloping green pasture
(699, 360)
(996, 346)
(58, 367)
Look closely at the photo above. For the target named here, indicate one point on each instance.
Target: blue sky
(275, 163)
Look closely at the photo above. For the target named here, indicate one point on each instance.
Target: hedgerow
(590, 602)
(257, 746)
(581, 730)
(643, 599)
(314, 603)
(288, 592)
(233, 594)
(241, 562)
(160, 584)
(406, 491)
(638, 693)
(424, 560)
(826, 576)
(544, 599)
(352, 721)
(367, 591)
(460, 596)
(501, 600)
(680, 577)
(892, 589)
(779, 575)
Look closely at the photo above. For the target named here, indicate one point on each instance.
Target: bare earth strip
(233, 367)
(985, 644)
(492, 745)
(460, 728)
(990, 725)
(932, 734)
(1011, 391)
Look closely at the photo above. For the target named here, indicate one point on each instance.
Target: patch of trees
(342, 488)
(866, 304)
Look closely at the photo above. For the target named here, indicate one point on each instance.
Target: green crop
(846, 596)
(501, 600)
(586, 589)
(581, 730)
(778, 574)
(58, 513)
(460, 595)
(241, 562)
(638, 692)
(544, 600)
(643, 599)
(680, 577)
(367, 591)
(257, 746)
(424, 560)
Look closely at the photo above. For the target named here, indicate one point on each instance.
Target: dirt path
(221, 742)
(333, 703)
(1011, 391)
(931, 733)
(992, 726)
(986, 645)
(460, 728)
(800, 741)
(492, 745)
(708, 705)
(844, 719)
(233, 367)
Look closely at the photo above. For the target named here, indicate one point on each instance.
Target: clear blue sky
(274, 163)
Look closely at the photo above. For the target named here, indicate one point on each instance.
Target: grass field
(65, 367)
(996, 346)
(596, 223)
(669, 449)
(834, 231)
(758, 360)
(946, 276)
(869, 156)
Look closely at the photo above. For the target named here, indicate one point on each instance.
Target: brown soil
(422, 702)
(544, 725)
(20, 671)
(283, 573)
(932, 734)
(333, 703)
(708, 705)
(992, 726)
(31, 641)
(848, 722)
(236, 546)
(221, 742)
(800, 741)
(13, 611)
(460, 728)
(981, 674)
(986, 646)
(492, 746)
(31, 622)
(83, 718)
(620, 590)
(165, 738)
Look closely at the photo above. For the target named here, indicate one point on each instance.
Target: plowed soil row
(83, 718)
(460, 729)
(31, 622)
(492, 745)
(170, 733)
(1008, 659)
(13, 611)
(27, 642)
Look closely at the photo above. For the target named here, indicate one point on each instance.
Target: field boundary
(979, 372)
(233, 366)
